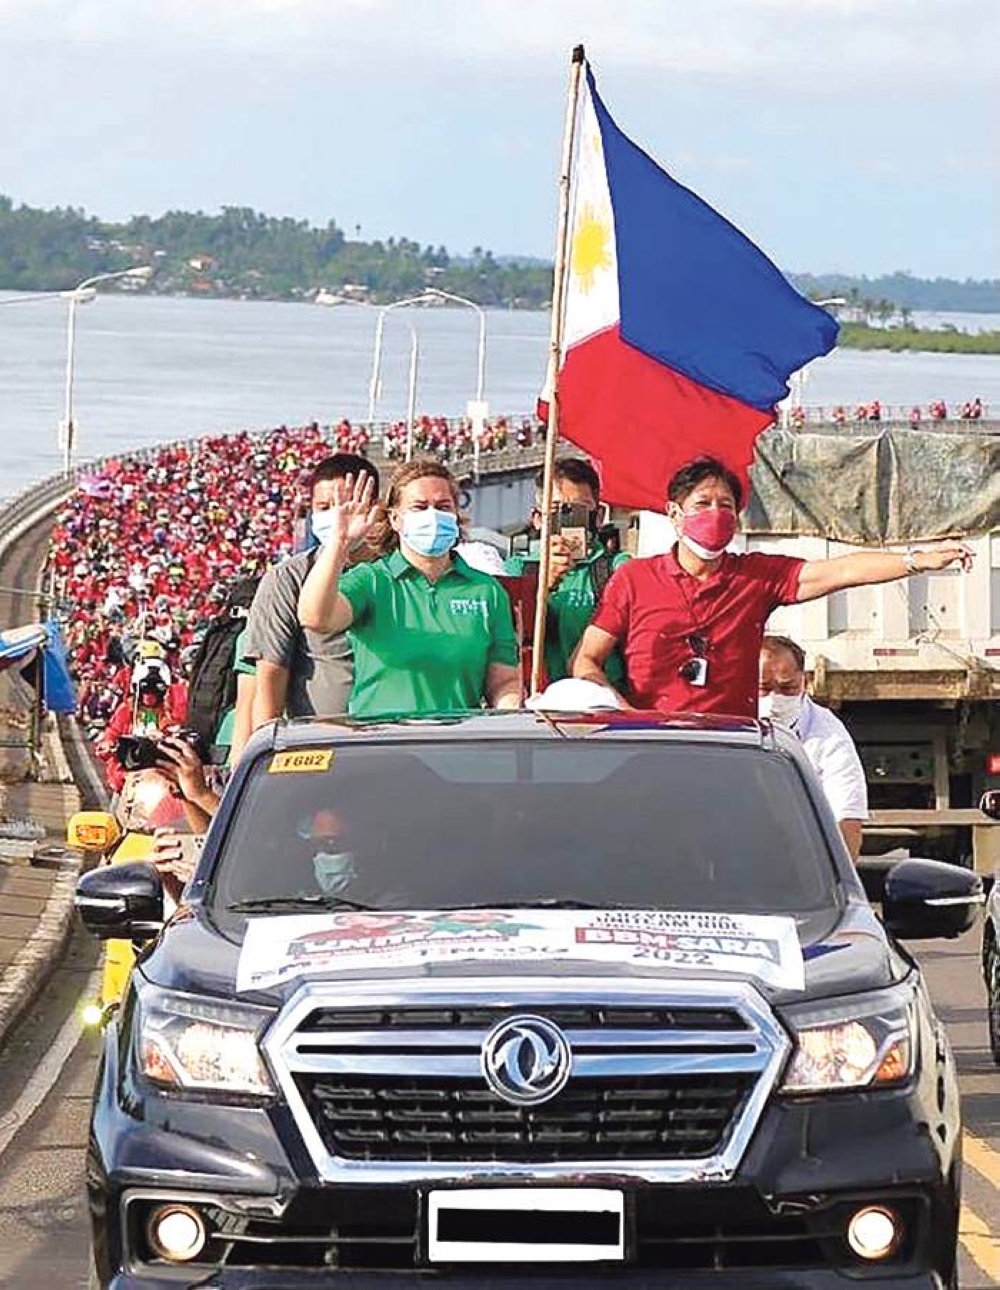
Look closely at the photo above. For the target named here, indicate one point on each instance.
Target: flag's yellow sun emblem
(591, 252)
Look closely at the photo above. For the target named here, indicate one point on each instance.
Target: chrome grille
(683, 1117)
(386, 1085)
(633, 1018)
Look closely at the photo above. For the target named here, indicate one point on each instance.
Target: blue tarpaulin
(59, 690)
(20, 647)
(18, 644)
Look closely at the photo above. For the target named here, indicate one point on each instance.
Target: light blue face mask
(430, 532)
(334, 870)
(322, 526)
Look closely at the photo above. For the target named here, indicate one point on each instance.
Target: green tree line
(903, 291)
(241, 252)
(947, 340)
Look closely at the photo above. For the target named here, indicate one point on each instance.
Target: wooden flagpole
(555, 354)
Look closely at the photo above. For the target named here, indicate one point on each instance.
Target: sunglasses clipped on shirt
(694, 670)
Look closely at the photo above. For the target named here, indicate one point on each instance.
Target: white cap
(573, 694)
(481, 556)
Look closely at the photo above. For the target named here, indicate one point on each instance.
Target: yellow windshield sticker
(301, 761)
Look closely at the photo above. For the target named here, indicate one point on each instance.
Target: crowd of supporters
(444, 438)
(145, 548)
(841, 415)
(147, 545)
(455, 440)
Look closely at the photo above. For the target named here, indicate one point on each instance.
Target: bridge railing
(490, 460)
(816, 416)
(27, 504)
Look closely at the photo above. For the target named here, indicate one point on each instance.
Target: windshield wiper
(547, 902)
(265, 903)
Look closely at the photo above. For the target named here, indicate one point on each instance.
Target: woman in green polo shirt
(430, 634)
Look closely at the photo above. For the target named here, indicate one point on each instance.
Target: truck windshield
(425, 826)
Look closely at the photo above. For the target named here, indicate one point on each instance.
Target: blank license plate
(520, 1225)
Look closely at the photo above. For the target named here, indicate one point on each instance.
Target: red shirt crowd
(147, 545)
(970, 410)
(454, 440)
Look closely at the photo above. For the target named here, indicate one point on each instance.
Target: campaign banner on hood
(281, 948)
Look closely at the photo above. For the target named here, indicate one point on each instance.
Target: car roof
(655, 727)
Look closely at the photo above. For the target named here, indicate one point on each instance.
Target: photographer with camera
(147, 712)
(580, 566)
(179, 759)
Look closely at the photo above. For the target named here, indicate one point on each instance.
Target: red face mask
(708, 533)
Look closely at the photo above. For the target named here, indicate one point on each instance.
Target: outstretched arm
(863, 568)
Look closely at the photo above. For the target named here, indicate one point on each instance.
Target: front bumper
(778, 1225)
(572, 1280)
(677, 1236)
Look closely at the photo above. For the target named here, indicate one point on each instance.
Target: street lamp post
(82, 297)
(480, 365)
(79, 295)
(469, 304)
(411, 398)
(328, 299)
(373, 387)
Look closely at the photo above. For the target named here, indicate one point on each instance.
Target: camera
(136, 752)
(195, 739)
(576, 523)
(139, 752)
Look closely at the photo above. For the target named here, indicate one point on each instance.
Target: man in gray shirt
(299, 672)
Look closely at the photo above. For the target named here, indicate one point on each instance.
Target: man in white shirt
(825, 738)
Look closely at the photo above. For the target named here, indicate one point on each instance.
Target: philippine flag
(679, 334)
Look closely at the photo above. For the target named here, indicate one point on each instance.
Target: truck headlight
(188, 1042)
(862, 1042)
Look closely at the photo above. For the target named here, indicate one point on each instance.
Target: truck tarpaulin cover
(865, 488)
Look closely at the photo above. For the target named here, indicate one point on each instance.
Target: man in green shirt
(575, 585)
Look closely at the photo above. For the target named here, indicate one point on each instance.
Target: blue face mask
(430, 532)
(334, 871)
(321, 523)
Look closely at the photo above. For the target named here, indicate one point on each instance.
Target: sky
(854, 136)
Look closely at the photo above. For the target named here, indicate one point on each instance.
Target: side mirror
(92, 830)
(873, 871)
(928, 899)
(990, 803)
(121, 901)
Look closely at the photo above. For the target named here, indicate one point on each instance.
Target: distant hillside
(937, 295)
(242, 253)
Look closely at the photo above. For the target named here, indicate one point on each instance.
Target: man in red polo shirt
(690, 623)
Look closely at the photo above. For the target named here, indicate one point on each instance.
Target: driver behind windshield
(333, 862)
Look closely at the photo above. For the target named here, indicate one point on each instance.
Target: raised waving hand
(352, 510)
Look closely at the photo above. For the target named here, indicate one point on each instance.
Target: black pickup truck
(525, 1000)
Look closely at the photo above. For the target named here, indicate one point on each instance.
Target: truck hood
(842, 953)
